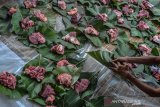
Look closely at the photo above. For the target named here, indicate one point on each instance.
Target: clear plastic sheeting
(9, 61)
(112, 85)
(13, 57)
(23, 102)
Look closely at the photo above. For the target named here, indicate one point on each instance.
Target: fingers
(115, 60)
(127, 66)
(114, 64)
(112, 68)
(118, 63)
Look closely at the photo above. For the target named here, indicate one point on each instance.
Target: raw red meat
(59, 49)
(90, 30)
(71, 37)
(8, 80)
(143, 14)
(12, 10)
(62, 4)
(81, 85)
(127, 10)
(40, 16)
(35, 72)
(103, 17)
(145, 49)
(37, 38)
(47, 91)
(30, 3)
(64, 63)
(146, 4)
(64, 79)
(113, 33)
(26, 23)
(50, 99)
(142, 25)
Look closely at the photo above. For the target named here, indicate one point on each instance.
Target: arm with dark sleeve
(151, 91)
(149, 60)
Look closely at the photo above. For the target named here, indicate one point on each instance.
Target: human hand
(121, 69)
(120, 59)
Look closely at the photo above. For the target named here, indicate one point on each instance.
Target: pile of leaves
(86, 21)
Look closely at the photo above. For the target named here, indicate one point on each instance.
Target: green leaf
(59, 89)
(39, 101)
(138, 70)
(13, 94)
(4, 26)
(45, 52)
(49, 34)
(38, 61)
(16, 18)
(3, 12)
(95, 40)
(24, 82)
(67, 22)
(155, 52)
(103, 57)
(98, 102)
(66, 44)
(57, 9)
(135, 32)
(91, 11)
(72, 99)
(122, 36)
(155, 11)
(87, 93)
(49, 79)
(121, 51)
(37, 88)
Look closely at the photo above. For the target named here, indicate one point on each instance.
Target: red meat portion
(113, 33)
(90, 30)
(59, 49)
(12, 10)
(64, 63)
(37, 38)
(50, 99)
(47, 91)
(40, 16)
(127, 10)
(35, 72)
(71, 37)
(142, 25)
(81, 85)
(64, 79)
(146, 4)
(103, 17)
(62, 4)
(26, 23)
(30, 3)
(8, 80)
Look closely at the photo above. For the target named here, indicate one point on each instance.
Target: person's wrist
(130, 76)
(125, 74)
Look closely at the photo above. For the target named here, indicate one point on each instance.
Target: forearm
(151, 91)
(144, 60)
